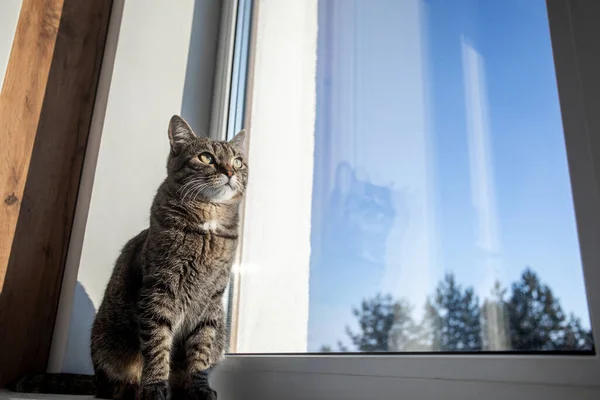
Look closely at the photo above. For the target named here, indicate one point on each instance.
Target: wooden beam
(46, 108)
(20, 107)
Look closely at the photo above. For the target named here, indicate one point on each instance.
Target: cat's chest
(209, 261)
(201, 291)
(213, 249)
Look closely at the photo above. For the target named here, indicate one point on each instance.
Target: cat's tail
(75, 384)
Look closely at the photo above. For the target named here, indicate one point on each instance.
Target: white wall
(9, 15)
(151, 71)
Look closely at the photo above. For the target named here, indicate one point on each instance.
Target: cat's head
(205, 169)
(366, 207)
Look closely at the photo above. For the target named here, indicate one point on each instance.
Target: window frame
(229, 111)
(576, 59)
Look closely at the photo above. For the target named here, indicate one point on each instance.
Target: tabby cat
(161, 324)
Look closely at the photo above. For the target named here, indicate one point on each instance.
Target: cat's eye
(206, 158)
(237, 163)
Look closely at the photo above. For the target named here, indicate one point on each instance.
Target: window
(411, 161)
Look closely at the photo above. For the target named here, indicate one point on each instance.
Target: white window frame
(577, 62)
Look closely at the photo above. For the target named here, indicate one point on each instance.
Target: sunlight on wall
(273, 312)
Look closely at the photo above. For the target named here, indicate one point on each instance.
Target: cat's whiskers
(195, 183)
(195, 191)
(208, 185)
(189, 185)
(190, 181)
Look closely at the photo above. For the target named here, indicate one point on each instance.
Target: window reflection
(442, 217)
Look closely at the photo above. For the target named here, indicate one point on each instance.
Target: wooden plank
(20, 107)
(46, 108)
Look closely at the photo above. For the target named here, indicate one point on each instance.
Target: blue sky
(397, 78)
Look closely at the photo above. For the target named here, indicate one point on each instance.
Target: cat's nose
(229, 173)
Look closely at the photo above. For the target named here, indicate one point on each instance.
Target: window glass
(442, 217)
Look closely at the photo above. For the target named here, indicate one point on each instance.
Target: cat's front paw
(156, 391)
(200, 393)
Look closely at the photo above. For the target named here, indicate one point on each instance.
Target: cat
(161, 325)
(359, 216)
(352, 254)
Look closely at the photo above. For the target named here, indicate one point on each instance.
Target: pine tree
(529, 319)
(456, 312)
(574, 337)
(536, 318)
(375, 318)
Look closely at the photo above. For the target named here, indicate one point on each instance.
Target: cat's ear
(239, 141)
(180, 133)
(344, 177)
